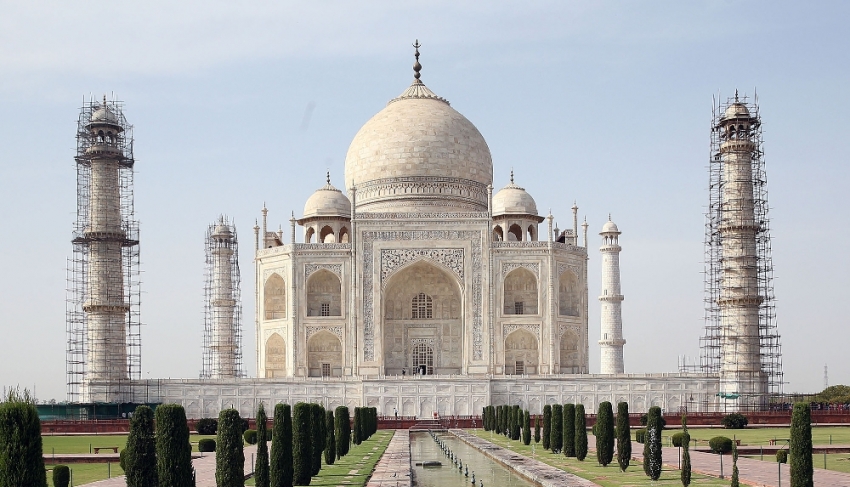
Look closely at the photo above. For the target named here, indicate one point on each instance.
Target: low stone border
(393, 469)
(536, 471)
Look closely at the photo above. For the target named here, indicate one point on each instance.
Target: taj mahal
(418, 287)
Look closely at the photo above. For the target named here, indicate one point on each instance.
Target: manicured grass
(839, 462)
(761, 436)
(609, 476)
(354, 468)
(83, 473)
(81, 444)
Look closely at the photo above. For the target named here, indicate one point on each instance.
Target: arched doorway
(274, 298)
(275, 356)
(520, 293)
(324, 355)
(569, 298)
(422, 308)
(570, 354)
(324, 294)
(521, 353)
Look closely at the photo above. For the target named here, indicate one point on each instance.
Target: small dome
(329, 202)
(610, 227)
(737, 110)
(104, 115)
(513, 200)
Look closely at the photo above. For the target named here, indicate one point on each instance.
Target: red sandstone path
(750, 471)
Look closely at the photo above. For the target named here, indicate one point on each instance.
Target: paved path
(204, 471)
(393, 469)
(537, 471)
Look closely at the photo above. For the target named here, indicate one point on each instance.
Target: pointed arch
(275, 356)
(324, 355)
(324, 294)
(569, 296)
(520, 293)
(570, 353)
(498, 234)
(521, 353)
(515, 233)
(274, 297)
(327, 235)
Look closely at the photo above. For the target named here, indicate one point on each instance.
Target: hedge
(206, 445)
(734, 421)
(62, 476)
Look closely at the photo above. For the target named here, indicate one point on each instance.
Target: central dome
(419, 154)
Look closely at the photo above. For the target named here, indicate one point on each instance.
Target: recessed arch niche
(324, 294)
(275, 356)
(324, 355)
(569, 296)
(521, 353)
(520, 293)
(274, 298)
(405, 327)
(570, 353)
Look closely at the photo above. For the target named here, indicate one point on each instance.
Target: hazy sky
(605, 103)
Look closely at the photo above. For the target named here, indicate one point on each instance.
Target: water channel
(423, 449)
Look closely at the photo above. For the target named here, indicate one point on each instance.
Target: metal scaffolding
(222, 348)
(103, 285)
(741, 341)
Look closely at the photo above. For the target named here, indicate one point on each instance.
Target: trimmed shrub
(802, 468)
(62, 476)
(581, 433)
(605, 434)
(526, 428)
(720, 444)
(537, 428)
(686, 454)
(317, 435)
(207, 426)
(734, 421)
(569, 429)
(250, 437)
(782, 456)
(302, 447)
(330, 438)
(556, 442)
(206, 445)
(173, 450)
(140, 454)
(21, 461)
(343, 431)
(652, 457)
(261, 464)
(624, 436)
(677, 439)
(229, 455)
(547, 426)
(358, 426)
(640, 435)
(281, 462)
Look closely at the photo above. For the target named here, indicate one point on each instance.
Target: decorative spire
(329, 178)
(416, 66)
(736, 95)
(512, 175)
(609, 217)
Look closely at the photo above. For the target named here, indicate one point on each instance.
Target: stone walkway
(393, 469)
(204, 471)
(537, 471)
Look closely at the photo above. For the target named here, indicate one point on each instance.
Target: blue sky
(605, 103)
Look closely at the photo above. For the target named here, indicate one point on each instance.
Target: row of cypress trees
(365, 423)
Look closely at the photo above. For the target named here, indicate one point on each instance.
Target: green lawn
(81, 444)
(840, 462)
(354, 468)
(761, 436)
(83, 473)
(609, 476)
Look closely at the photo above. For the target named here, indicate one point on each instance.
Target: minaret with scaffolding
(741, 341)
(104, 345)
(222, 356)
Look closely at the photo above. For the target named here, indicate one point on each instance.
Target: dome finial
(512, 175)
(736, 95)
(609, 217)
(416, 66)
(329, 177)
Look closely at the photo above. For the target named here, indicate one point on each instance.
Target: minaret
(103, 331)
(222, 334)
(612, 342)
(739, 298)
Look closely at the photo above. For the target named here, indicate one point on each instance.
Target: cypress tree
(140, 458)
(686, 453)
(569, 445)
(317, 435)
(547, 426)
(581, 433)
(652, 444)
(802, 469)
(280, 465)
(21, 461)
(537, 428)
(302, 447)
(526, 428)
(330, 438)
(173, 450)
(517, 415)
(343, 431)
(261, 466)
(511, 420)
(735, 482)
(229, 456)
(358, 425)
(556, 440)
(624, 436)
(605, 434)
